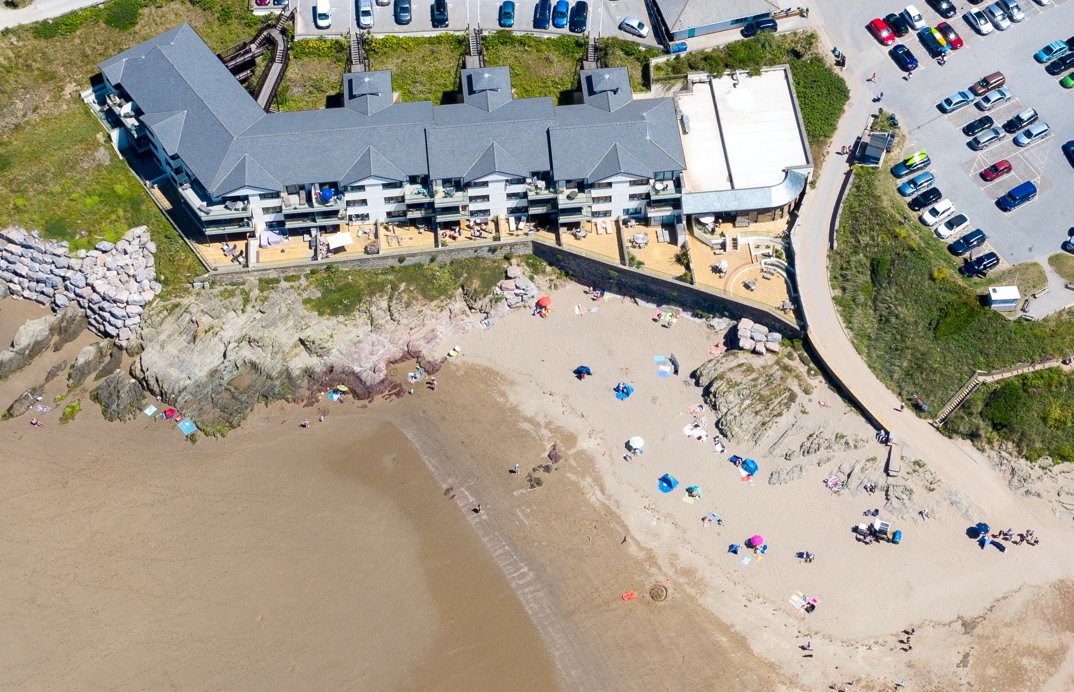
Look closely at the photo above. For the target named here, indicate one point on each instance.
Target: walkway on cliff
(960, 465)
(42, 9)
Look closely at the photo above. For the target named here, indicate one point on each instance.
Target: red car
(882, 32)
(950, 35)
(997, 170)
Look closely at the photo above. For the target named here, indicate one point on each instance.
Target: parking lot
(604, 18)
(1031, 232)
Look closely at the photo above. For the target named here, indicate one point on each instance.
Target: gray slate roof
(197, 110)
(748, 198)
(680, 15)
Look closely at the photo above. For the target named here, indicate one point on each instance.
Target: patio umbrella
(544, 301)
(636, 442)
(755, 541)
(342, 388)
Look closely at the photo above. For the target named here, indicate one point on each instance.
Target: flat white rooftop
(742, 136)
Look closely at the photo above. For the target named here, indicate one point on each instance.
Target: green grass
(314, 74)
(539, 66)
(1029, 277)
(70, 411)
(58, 173)
(617, 52)
(822, 92)
(344, 292)
(1063, 265)
(424, 68)
(922, 330)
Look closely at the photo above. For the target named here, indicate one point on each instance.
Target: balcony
(418, 212)
(450, 197)
(664, 190)
(239, 226)
(416, 194)
(575, 215)
(540, 192)
(452, 214)
(204, 211)
(573, 198)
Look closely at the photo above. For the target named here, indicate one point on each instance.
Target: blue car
(904, 58)
(542, 14)
(1051, 51)
(560, 14)
(754, 28)
(507, 14)
(919, 182)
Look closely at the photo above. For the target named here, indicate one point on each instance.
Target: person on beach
(321, 419)
(477, 510)
(304, 424)
(36, 423)
(432, 383)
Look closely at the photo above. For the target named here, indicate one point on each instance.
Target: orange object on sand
(630, 595)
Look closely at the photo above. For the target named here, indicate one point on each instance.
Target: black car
(926, 198)
(945, 7)
(440, 15)
(1060, 64)
(978, 125)
(1023, 119)
(1068, 151)
(754, 28)
(904, 58)
(980, 266)
(967, 242)
(899, 25)
(402, 12)
(579, 17)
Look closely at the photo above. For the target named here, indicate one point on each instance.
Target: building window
(516, 181)
(515, 195)
(639, 196)
(272, 210)
(479, 199)
(598, 214)
(601, 186)
(602, 200)
(356, 203)
(391, 186)
(638, 183)
(394, 200)
(356, 188)
(475, 185)
(479, 212)
(395, 214)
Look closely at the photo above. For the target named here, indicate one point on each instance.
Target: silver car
(987, 138)
(633, 25)
(1014, 12)
(1032, 134)
(958, 100)
(979, 22)
(997, 16)
(994, 98)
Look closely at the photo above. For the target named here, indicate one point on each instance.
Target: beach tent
(667, 483)
(735, 459)
(623, 391)
(635, 442)
(749, 466)
(544, 301)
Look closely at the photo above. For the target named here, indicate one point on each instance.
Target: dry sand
(134, 559)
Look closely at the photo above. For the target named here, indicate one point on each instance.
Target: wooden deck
(400, 238)
(596, 241)
(744, 265)
(657, 256)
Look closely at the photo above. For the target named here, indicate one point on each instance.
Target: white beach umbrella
(636, 442)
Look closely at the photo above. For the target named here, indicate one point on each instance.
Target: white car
(1032, 134)
(633, 25)
(1014, 12)
(914, 18)
(997, 16)
(1044, 2)
(979, 22)
(954, 225)
(993, 99)
(937, 213)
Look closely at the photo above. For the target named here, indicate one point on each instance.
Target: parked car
(440, 14)
(1026, 117)
(979, 22)
(261, 3)
(911, 164)
(987, 139)
(980, 266)
(1017, 196)
(883, 33)
(997, 16)
(579, 17)
(365, 14)
(957, 100)
(935, 43)
(403, 12)
(921, 181)
(1067, 82)
(542, 14)
(925, 199)
(945, 8)
(1060, 64)
(904, 58)
(507, 14)
(384, 3)
(978, 125)
(949, 33)
(1031, 134)
(997, 170)
(971, 240)
(1013, 11)
(1068, 151)
(633, 25)
(1051, 51)
(993, 99)
(898, 24)
(560, 13)
(914, 18)
(322, 14)
(953, 226)
(988, 83)
(937, 213)
(754, 28)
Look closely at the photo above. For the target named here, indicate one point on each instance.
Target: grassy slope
(314, 74)
(921, 329)
(539, 67)
(616, 52)
(424, 68)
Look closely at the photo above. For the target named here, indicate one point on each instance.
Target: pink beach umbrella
(755, 542)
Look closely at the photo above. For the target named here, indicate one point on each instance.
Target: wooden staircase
(357, 59)
(980, 377)
(475, 54)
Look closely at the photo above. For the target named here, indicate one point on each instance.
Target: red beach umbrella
(544, 301)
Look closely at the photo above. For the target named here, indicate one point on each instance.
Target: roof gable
(372, 164)
(495, 159)
(168, 127)
(247, 173)
(619, 160)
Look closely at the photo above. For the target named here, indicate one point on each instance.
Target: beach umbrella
(982, 529)
(749, 466)
(342, 388)
(544, 301)
(755, 541)
(636, 442)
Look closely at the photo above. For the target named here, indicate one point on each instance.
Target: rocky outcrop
(89, 360)
(55, 371)
(35, 337)
(120, 396)
(111, 283)
(756, 338)
(516, 289)
(24, 403)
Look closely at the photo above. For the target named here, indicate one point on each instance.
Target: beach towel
(716, 350)
(663, 371)
(746, 560)
(630, 595)
(659, 359)
(41, 408)
(486, 324)
(688, 500)
(150, 410)
(187, 426)
(694, 410)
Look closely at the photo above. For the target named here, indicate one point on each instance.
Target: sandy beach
(134, 559)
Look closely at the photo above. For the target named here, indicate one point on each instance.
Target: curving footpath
(958, 463)
(42, 9)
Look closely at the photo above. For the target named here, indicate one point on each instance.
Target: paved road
(42, 9)
(960, 466)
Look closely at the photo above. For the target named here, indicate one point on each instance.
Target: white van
(322, 14)
(365, 14)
